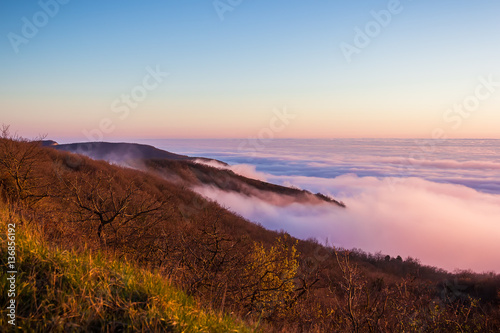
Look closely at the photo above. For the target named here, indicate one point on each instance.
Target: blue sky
(227, 76)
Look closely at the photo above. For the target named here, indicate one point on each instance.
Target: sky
(116, 70)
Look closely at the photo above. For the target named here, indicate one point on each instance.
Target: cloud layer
(438, 201)
(474, 163)
(444, 225)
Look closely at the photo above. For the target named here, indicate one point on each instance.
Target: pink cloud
(444, 225)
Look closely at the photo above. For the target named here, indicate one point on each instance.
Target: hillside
(119, 152)
(113, 295)
(224, 262)
(188, 171)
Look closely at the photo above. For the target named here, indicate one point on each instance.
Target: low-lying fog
(438, 203)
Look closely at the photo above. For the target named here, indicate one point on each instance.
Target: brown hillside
(228, 263)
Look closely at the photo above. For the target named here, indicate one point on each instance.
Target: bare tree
(99, 199)
(361, 304)
(21, 162)
(210, 257)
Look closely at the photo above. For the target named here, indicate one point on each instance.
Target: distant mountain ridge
(198, 174)
(188, 171)
(120, 152)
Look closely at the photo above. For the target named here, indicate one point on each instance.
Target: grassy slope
(61, 290)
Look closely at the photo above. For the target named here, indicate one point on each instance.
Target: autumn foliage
(230, 264)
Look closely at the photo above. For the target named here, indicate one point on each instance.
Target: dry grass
(87, 292)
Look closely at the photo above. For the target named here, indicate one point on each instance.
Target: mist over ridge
(442, 210)
(440, 206)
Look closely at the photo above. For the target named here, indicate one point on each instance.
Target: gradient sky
(227, 76)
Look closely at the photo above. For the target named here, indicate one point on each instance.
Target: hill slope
(188, 171)
(120, 152)
(222, 260)
(90, 292)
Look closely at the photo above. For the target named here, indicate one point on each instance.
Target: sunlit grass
(60, 290)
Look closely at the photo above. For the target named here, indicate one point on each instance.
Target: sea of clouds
(438, 203)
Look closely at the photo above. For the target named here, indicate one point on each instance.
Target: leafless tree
(99, 200)
(21, 174)
(362, 304)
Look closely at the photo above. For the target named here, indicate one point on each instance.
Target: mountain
(199, 174)
(230, 266)
(191, 171)
(119, 152)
